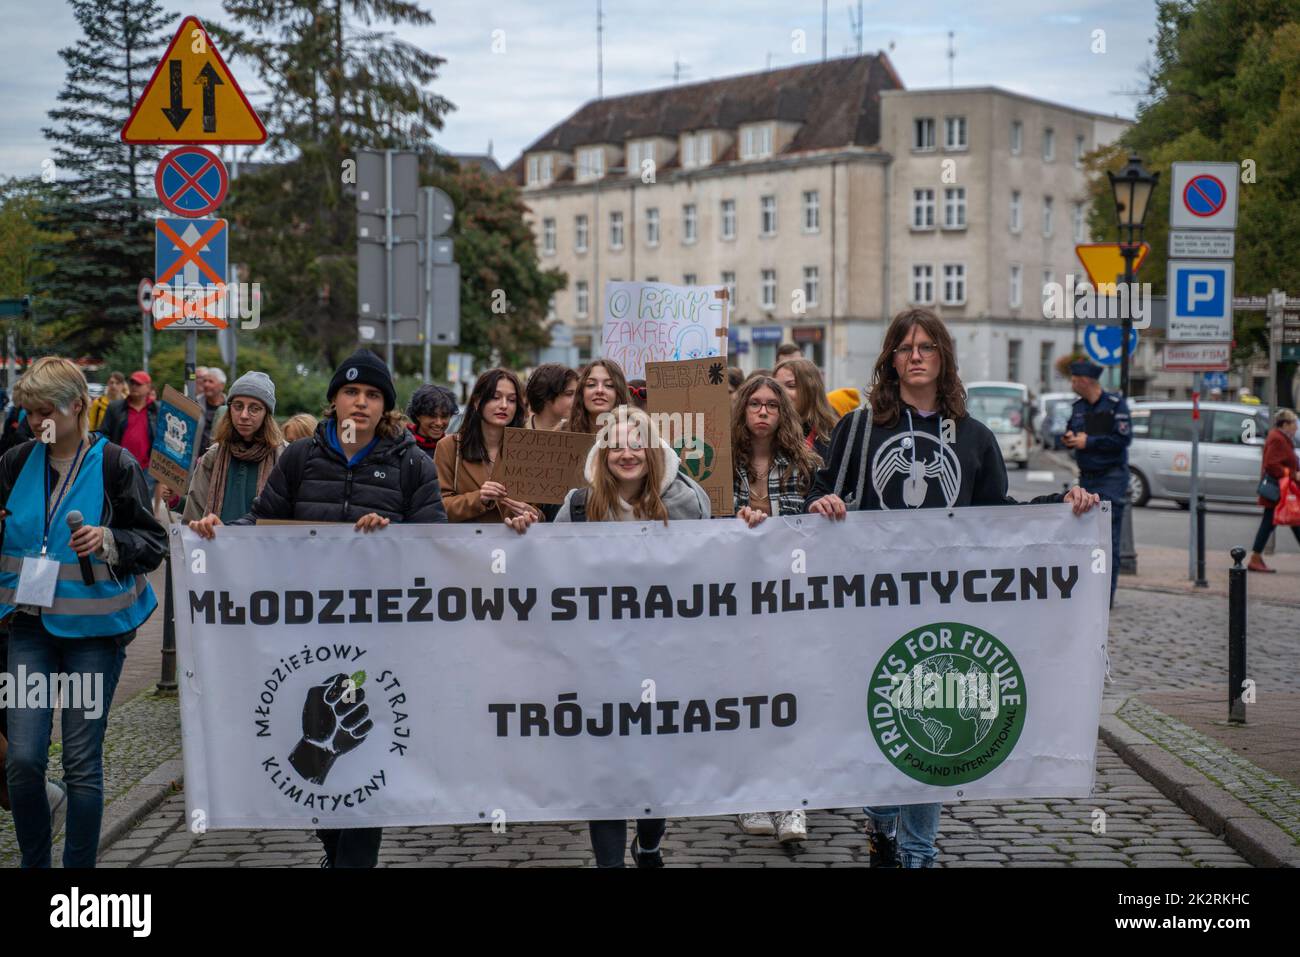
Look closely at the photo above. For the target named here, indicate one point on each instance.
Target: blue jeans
(39, 652)
(914, 825)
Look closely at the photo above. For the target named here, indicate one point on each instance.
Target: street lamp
(1132, 188)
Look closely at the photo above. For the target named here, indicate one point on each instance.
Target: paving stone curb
(1256, 838)
(132, 807)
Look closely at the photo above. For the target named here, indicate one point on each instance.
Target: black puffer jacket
(313, 483)
(140, 539)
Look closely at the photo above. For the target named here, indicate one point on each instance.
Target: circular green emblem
(947, 703)
(697, 458)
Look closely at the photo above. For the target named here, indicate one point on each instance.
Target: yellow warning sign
(192, 97)
(1104, 262)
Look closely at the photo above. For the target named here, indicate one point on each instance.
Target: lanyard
(51, 511)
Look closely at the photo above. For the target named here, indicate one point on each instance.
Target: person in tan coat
(467, 460)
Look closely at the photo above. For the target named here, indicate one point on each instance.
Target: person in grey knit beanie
(255, 385)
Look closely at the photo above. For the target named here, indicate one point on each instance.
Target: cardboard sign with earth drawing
(691, 406)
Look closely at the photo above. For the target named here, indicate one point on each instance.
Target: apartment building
(826, 197)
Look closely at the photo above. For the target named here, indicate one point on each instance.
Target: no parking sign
(1204, 196)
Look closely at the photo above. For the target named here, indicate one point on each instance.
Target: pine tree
(103, 198)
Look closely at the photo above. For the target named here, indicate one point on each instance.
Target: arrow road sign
(191, 181)
(190, 266)
(1102, 343)
(169, 111)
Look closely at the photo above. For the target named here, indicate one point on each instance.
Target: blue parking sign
(1200, 300)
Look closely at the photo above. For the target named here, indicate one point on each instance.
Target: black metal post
(1200, 543)
(1128, 562)
(167, 682)
(1236, 637)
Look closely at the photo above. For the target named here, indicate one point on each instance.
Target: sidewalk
(1165, 569)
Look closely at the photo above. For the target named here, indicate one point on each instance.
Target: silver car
(1160, 456)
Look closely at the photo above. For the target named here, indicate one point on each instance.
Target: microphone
(75, 521)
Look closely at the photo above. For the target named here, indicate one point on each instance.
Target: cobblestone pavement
(1142, 829)
(1264, 792)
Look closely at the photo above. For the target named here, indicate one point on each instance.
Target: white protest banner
(658, 322)
(458, 673)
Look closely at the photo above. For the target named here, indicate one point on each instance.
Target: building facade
(827, 198)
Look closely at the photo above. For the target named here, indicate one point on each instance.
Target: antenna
(600, 52)
(952, 56)
(680, 69)
(855, 24)
(824, 4)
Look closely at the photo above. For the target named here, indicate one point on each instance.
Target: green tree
(334, 84)
(101, 199)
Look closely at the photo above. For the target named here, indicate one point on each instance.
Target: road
(1159, 522)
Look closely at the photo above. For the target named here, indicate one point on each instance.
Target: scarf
(245, 452)
(427, 444)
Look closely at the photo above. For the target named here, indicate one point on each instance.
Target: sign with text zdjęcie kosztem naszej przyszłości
(943, 656)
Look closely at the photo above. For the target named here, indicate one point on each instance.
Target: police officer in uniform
(1099, 433)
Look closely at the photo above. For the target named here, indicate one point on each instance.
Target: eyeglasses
(754, 405)
(927, 350)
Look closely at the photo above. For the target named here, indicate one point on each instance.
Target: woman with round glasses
(774, 468)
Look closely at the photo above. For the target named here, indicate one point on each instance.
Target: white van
(1004, 408)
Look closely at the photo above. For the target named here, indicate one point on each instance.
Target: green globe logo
(697, 459)
(947, 703)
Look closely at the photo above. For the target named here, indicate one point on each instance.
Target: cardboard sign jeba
(690, 404)
(656, 322)
(175, 440)
(540, 467)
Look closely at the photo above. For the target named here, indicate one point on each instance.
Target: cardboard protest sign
(175, 440)
(657, 322)
(540, 467)
(691, 407)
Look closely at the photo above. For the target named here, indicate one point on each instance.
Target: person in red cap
(130, 422)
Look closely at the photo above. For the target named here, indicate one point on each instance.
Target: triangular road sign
(1104, 262)
(192, 97)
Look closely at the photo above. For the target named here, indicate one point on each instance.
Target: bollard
(1236, 637)
(1200, 543)
(167, 682)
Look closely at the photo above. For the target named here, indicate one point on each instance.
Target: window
(548, 236)
(922, 284)
(539, 170)
(615, 230)
(580, 296)
(689, 234)
(923, 133)
(767, 290)
(651, 278)
(591, 163)
(634, 156)
(1016, 295)
(756, 141)
(729, 280)
(811, 285)
(1045, 350)
(767, 207)
(697, 150)
(1229, 428)
(652, 227)
(550, 308)
(1173, 425)
(812, 211)
(580, 234)
(689, 279)
(954, 284)
(1076, 217)
(1015, 221)
(728, 219)
(1047, 216)
(1017, 137)
(923, 209)
(1013, 359)
(1049, 277)
(1080, 147)
(954, 207)
(1049, 145)
(954, 133)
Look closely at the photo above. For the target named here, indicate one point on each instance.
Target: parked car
(1051, 418)
(1004, 408)
(1160, 457)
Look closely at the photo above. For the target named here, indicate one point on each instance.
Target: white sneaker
(56, 792)
(791, 826)
(760, 822)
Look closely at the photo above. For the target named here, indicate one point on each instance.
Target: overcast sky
(547, 68)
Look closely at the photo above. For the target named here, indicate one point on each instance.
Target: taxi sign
(192, 97)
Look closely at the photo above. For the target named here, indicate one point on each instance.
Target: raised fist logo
(335, 720)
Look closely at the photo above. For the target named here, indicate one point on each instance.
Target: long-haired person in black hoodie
(361, 466)
(914, 446)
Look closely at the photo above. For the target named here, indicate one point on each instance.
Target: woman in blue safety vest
(74, 593)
